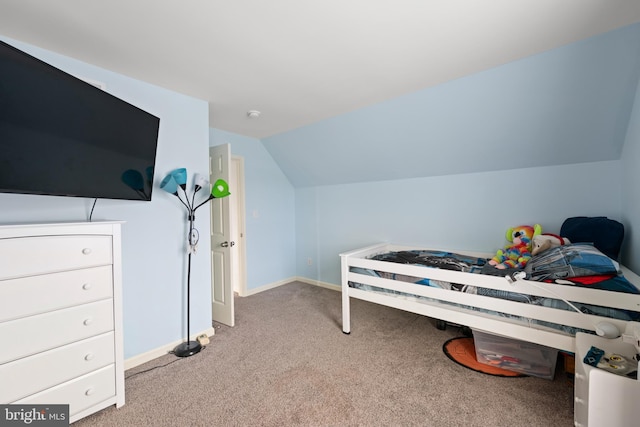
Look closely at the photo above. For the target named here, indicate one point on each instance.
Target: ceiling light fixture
(253, 114)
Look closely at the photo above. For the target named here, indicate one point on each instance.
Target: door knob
(227, 244)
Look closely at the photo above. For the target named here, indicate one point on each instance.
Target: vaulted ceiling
(301, 61)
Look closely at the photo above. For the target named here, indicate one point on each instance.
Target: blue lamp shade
(220, 189)
(180, 175)
(133, 179)
(169, 184)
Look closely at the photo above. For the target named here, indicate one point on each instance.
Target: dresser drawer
(30, 335)
(38, 294)
(45, 370)
(80, 393)
(26, 256)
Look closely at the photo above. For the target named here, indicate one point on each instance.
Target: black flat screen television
(62, 136)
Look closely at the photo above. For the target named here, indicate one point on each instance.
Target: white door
(221, 243)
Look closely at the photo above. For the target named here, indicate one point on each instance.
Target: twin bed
(569, 289)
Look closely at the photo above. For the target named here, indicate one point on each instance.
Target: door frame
(237, 178)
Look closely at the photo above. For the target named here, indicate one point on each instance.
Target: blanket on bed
(436, 259)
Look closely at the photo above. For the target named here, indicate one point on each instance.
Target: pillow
(604, 233)
(572, 260)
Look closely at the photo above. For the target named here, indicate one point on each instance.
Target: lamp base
(187, 349)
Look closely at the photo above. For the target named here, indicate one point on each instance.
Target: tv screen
(60, 135)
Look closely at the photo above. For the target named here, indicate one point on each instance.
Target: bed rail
(462, 308)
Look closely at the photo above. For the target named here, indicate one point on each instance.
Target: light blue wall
(463, 212)
(559, 118)
(631, 190)
(270, 212)
(568, 105)
(154, 235)
(534, 141)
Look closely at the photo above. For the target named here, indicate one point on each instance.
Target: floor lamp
(173, 183)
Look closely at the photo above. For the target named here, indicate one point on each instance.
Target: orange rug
(462, 351)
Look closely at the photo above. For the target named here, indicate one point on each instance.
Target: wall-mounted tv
(62, 136)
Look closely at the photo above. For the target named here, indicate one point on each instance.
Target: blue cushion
(604, 233)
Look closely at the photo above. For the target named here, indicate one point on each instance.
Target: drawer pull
(86, 251)
(88, 321)
(88, 357)
(89, 391)
(86, 286)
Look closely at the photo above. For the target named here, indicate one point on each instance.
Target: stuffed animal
(518, 253)
(542, 242)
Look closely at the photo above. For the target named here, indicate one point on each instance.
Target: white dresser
(60, 315)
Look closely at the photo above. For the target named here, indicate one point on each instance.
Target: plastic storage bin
(519, 356)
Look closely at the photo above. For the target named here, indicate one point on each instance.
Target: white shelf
(603, 398)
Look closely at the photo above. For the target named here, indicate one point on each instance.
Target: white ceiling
(301, 61)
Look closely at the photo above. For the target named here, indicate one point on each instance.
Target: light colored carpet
(287, 363)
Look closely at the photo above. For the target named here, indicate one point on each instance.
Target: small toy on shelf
(611, 362)
(518, 253)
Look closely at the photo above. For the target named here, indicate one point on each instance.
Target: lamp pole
(171, 183)
(189, 348)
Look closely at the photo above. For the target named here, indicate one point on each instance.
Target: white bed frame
(476, 320)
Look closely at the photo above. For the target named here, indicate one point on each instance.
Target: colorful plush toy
(542, 242)
(518, 253)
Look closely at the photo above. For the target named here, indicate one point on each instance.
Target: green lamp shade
(169, 184)
(220, 189)
(133, 179)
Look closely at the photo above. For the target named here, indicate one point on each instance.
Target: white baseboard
(292, 279)
(319, 283)
(139, 359)
(268, 286)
